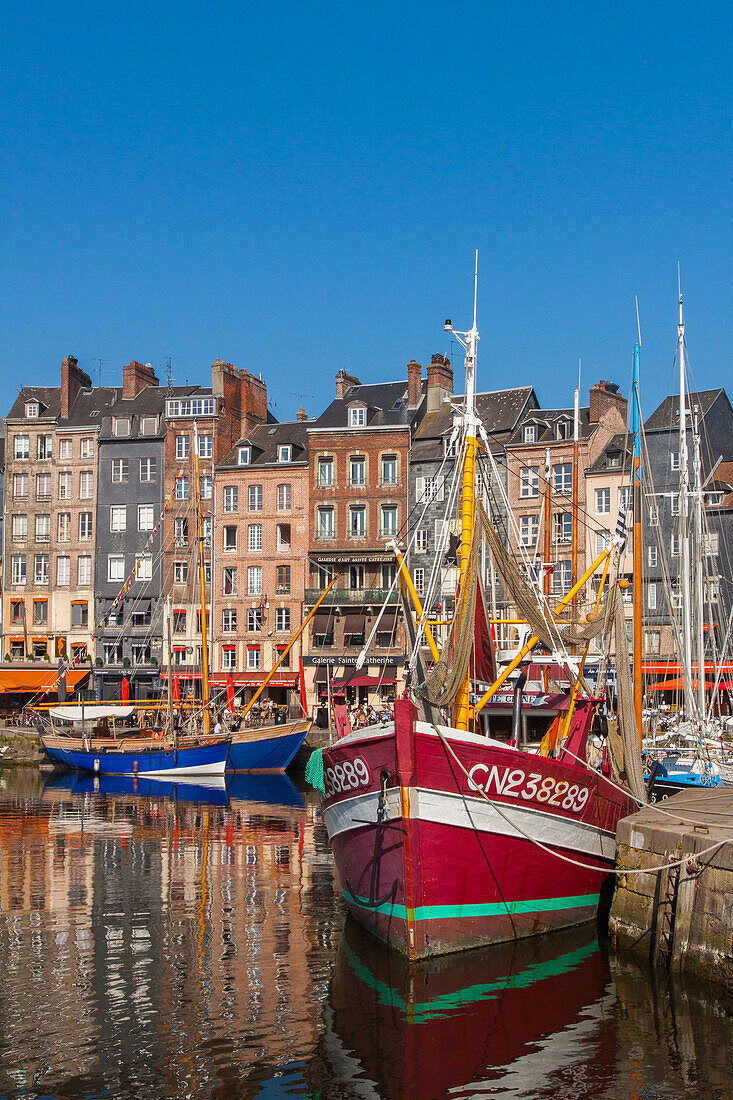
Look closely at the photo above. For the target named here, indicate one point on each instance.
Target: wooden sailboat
(447, 837)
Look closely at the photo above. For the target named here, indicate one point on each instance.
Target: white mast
(685, 520)
(699, 553)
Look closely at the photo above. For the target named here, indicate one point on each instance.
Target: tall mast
(685, 520)
(202, 586)
(469, 340)
(548, 524)
(636, 504)
(576, 476)
(699, 554)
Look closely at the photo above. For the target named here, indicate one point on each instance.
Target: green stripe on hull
(488, 909)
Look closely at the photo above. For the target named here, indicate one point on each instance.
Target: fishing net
(314, 771)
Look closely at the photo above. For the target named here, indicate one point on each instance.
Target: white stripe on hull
(217, 767)
(466, 812)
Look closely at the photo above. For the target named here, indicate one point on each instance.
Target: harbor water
(163, 940)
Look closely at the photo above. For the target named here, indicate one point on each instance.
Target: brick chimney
(414, 384)
(73, 379)
(135, 377)
(440, 381)
(301, 415)
(605, 399)
(242, 403)
(344, 382)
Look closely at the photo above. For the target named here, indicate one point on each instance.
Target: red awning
(253, 679)
(673, 668)
(678, 684)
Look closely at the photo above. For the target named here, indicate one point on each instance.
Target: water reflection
(183, 941)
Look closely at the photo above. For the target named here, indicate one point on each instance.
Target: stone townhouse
(260, 556)
(432, 468)
(130, 479)
(359, 450)
(216, 416)
(662, 599)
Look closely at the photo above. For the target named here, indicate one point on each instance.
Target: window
(230, 538)
(113, 653)
(22, 446)
(674, 501)
(282, 656)
(284, 497)
(254, 580)
(652, 641)
(41, 569)
(282, 619)
(357, 470)
(141, 653)
(64, 527)
(428, 489)
(711, 544)
(206, 528)
(325, 575)
(230, 580)
(17, 611)
(120, 426)
(325, 472)
(84, 570)
(283, 537)
(79, 614)
(651, 596)
(562, 478)
(148, 469)
(283, 579)
(20, 486)
(357, 577)
(254, 657)
(115, 567)
(206, 446)
(603, 541)
(181, 531)
(357, 521)
(324, 528)
(43, 486)
(357, 417)
(562, 429)
(529, 434)
(389, 572)
(116, 615)
(43, 528)
(179, 654)
(179, 620)
(243, 456)
(85, 448)
(85, 526)
(561, 577)
(32, 410)
(17, 569)
(421, 540)
(284, 452)
(205, 484)
(182, 487)
(190, 406)
(45, 446)
(228, 657)
(652, 556)
(389, 469)
(40, 612)
(529, 481)
(145, 517)
(675, 546)
(144, 567)
(20, 528)
(120, 469)
(418, 577)
(613, 460)
(254, 536)
(389, 520)
(255, 498)
(229, 620)
(624, 499)
(183, 445)
(142, 618)
(603, 502)
(712, 591)
(180, 572)
(254, 619)
(562, 526)
(231, 497)
(528, 529)
(674, 460)
(118, 517)
(85, 484)
(148, 425)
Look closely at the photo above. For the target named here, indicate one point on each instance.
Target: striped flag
(620, 537)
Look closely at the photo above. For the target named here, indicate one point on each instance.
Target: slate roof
(49, 398)
(386, 404)
(666, 415)
(265, 440)
(546, 420)
(621, 442)
(499, 411)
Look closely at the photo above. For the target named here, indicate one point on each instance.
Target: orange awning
(41, 679)
(677, 684)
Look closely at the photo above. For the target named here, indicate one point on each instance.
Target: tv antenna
(300, 396)
(169, 373)
(101, 363)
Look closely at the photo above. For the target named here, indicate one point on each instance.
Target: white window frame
(115, 568)
(117, 518)
(357, 416)
(254, 537)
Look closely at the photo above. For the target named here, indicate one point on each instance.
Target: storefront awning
(253, 679)
(42, 679)
(322, 622)
(354, 624)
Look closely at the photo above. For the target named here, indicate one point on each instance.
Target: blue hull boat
(269, 749)
(210, 759)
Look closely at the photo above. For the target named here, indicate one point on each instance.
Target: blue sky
(299, 188)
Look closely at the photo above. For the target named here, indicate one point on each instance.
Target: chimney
(135, 377)
(414, 384)
(344, 382)
(301, 415)
(440, 381)
(73, 379)
(242, 403)
(604, 397)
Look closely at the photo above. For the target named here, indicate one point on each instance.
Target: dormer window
(450, 446)
(121, 425)
(613, 460)
(148, 425)
(562, 429)
(244, 456)
(714, 499)
(357, 416)
(530, 433)
(32, 410)
(284, 453)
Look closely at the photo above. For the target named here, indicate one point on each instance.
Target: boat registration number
(346, 777)
(535, 787)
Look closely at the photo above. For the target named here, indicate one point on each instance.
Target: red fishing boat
(451, 829)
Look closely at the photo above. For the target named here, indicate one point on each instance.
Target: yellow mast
(202, 586)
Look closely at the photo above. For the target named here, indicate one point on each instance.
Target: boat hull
(456, 863)
(208, 759)
(270, 749)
